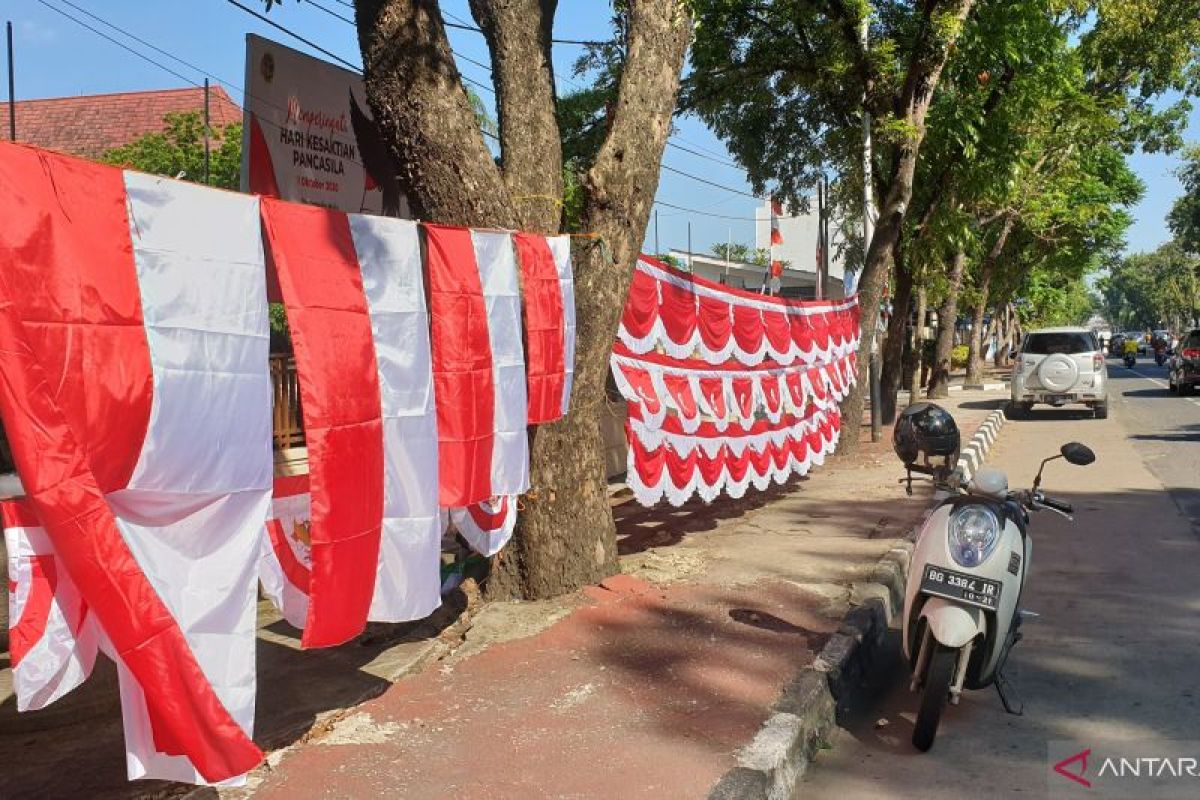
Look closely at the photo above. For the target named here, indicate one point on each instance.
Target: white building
(799, 247)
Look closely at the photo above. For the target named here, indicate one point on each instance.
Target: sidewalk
(645, 686)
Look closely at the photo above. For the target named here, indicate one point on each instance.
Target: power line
(707, 182)
(293, 34)
(329, 11)
(704, 213)
(122, 45)
(698, 154)
(463, 25)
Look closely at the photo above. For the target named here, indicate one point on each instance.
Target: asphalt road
(1114, 653)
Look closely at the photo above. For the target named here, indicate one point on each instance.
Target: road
(1113, 655)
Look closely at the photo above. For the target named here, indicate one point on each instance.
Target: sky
(56, 57)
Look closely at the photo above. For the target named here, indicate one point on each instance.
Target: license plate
(1058, 398)
(964, 588)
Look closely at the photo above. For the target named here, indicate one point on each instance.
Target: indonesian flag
(776, 268)
(352, 285)
(136, 397)
(478, 365)
(285, 569)
(549, 323)
(776, 213)
(487, 526)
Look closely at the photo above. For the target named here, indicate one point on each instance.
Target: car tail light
(1191, 352)
(1097, 362)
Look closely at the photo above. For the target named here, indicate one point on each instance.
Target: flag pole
(12, 100)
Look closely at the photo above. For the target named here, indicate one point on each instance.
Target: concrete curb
(803, 717)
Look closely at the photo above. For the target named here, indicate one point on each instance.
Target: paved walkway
(644, 687)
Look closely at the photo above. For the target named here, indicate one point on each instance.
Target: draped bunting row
(726, 395)
(137, 402)
(688, 316)
(672, 464)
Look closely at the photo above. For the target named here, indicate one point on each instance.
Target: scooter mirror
(1078, 454)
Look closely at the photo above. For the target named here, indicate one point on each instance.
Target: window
(1045, 344)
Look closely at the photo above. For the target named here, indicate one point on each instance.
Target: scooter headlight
(973, 534)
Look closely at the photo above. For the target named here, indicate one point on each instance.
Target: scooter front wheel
(937, 689)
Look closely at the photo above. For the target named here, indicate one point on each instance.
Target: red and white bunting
(478, 365)
(687, 316)
(726, 395)
(549, 292)
(53, 640)
(669, 463)
(136, 400)
(487, 526)
(352, 285)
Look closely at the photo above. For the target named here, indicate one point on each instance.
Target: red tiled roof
(90, 125)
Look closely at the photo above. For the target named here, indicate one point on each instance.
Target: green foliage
(1184, 217)
(1149, 290)
(179, 148)
(958, 356)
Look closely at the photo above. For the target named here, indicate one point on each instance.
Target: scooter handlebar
(1057, 505)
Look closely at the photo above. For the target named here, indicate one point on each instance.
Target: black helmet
(925, 429)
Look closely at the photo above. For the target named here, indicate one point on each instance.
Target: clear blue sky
(56, 57)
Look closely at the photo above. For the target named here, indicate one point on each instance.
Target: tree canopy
(178, 151)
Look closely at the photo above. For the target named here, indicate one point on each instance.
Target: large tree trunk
(939, 383)
(568, 538)
(975, 346)
(924, 71)
(565, 536)
(897, 332)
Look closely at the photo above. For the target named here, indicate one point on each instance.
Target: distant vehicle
(1116, 345)
(1183, 370)
(1058, 366)
(1140, 338)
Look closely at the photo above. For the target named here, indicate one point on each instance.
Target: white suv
(1057, 366)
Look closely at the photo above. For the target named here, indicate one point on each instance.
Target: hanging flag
(549, 292)
(355, 300)
(487, 526)
(776, 213)
(478, 365)
(776, 269)
(136, 399)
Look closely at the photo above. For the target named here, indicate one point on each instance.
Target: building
(751, 277)
(799, 231)
(91, 125)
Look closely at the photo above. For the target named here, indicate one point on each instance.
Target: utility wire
(293, 34)
(707, 182)
(704, 213)
(122, 45)
(698, 154)
(329, 11)
(463, 25)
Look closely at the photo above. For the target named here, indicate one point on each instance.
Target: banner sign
(308, 135)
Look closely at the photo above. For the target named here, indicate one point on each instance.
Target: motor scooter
(1130, 360)
(961, 602)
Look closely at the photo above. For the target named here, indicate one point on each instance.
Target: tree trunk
(939, 383)
(897, 332)
(924, 71)
(565, 536)
(915, 376)
(975, 347)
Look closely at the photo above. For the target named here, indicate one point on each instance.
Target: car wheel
(1015, 411)
(1100, 410)
(1185, 388)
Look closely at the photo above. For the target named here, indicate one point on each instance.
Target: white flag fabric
(137, 402)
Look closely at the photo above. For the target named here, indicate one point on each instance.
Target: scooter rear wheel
(937, 689)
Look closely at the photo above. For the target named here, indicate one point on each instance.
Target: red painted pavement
(646, 692)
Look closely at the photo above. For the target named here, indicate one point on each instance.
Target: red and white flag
(487, 526)
(285, 569)
(352, 286)
(549, 289)
(478, 365)
(776, 213)
(136, 398)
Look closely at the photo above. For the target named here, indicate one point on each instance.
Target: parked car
(1183, 370)
(1059, 366)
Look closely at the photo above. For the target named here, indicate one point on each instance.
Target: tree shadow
(295, 688)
